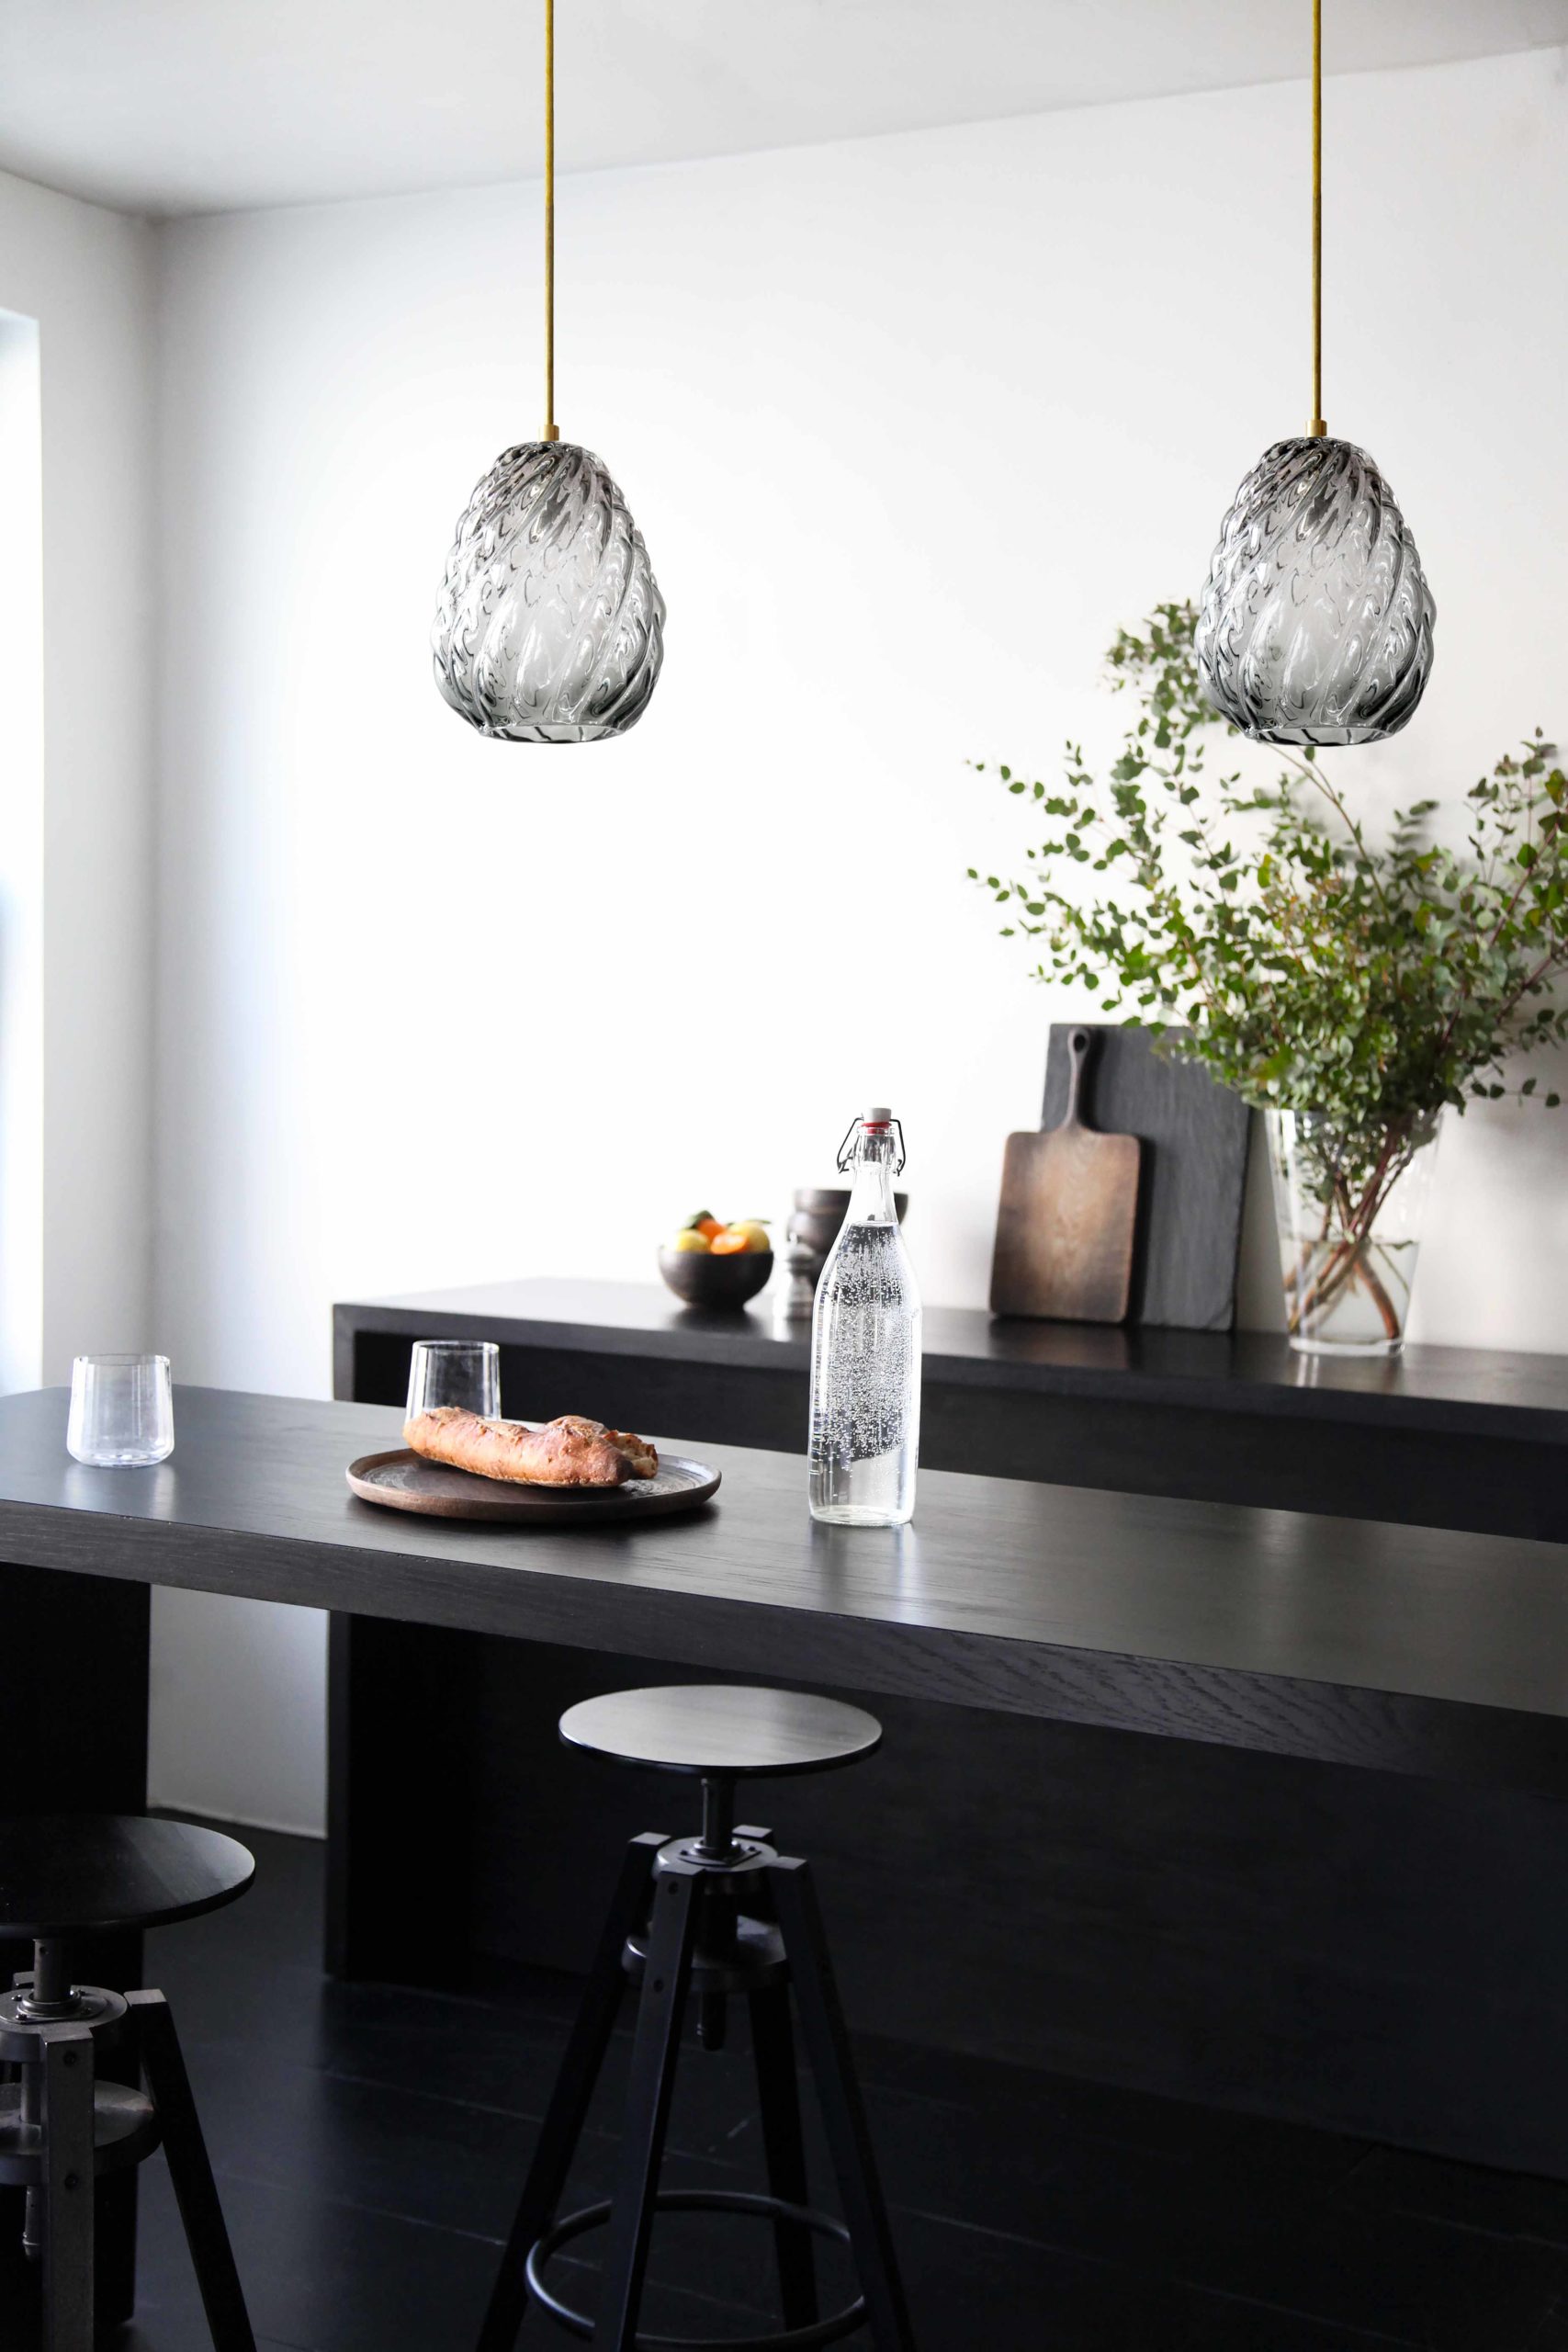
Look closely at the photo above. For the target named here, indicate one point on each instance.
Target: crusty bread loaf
(569, 1451)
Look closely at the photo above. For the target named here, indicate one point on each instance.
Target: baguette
(569, 1451)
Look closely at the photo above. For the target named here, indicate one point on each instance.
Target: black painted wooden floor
(370, 2141)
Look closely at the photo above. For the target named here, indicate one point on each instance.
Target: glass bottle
(865, 1347)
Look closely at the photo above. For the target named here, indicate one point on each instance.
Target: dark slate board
(1194, 1169)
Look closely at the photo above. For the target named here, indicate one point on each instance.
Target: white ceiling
(197, 106)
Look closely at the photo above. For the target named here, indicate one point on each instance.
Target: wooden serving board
(403, 1480)
(1067, 1216)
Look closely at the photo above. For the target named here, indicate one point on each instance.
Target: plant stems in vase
(1352, 988)
(1349, 1207)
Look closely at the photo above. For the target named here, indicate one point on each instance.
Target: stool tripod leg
(568, 2109)
(778, 2102)
(195, 2191)
(67, 2056)
(660, 2011)
(844, 2112)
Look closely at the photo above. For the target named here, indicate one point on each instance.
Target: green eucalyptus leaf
(1371, 979)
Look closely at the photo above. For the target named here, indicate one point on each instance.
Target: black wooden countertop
(1407, 1649)
(1440, 1391)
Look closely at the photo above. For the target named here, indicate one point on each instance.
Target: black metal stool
(79, 1874)
(717, 1915)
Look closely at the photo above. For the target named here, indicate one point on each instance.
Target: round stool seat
(722, 1728)
(85, 1873)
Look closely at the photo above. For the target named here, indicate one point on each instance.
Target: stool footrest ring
(698, 2200)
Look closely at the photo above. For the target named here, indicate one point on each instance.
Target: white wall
(21, 854)
(76, 870)
(910, 425)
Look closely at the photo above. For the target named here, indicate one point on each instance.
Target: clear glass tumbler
(455, 1372)
(122, 1412)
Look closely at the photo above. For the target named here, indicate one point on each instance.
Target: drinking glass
(122, 1412)
(455, 1372)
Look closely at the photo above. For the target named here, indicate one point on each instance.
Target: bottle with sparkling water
(865, 1347)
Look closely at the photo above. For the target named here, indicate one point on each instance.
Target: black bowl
(703, 1279)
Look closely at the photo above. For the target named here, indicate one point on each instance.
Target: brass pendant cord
(1316, 428)
(550, 431)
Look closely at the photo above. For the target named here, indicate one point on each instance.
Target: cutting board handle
(1079, 1043)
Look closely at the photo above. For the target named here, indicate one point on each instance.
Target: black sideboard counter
(1447, 1437)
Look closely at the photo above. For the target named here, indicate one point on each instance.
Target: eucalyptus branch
(1306, 970)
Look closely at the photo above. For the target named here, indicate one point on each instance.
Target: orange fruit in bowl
(729, 1243)
(754, 1234)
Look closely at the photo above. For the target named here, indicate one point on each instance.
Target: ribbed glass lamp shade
(1316, 620)
(550, 628)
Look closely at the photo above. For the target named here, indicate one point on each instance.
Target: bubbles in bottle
(865, 1360)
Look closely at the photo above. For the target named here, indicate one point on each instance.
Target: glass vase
(1348, 1203)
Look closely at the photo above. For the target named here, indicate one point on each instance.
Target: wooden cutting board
(1069, 1216)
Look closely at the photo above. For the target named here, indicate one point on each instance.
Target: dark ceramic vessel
(819, 1211)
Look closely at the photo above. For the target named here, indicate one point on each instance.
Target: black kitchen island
(1400, 1697)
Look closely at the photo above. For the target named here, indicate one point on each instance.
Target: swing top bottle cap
(880, 1116)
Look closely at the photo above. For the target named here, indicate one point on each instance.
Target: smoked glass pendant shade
(1316, 625)
(1316, 620)
(551, 626)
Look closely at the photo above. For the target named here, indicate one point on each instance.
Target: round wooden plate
(402, 1480)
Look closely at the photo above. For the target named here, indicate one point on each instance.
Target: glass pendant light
(550, 628)
(1316, 619)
